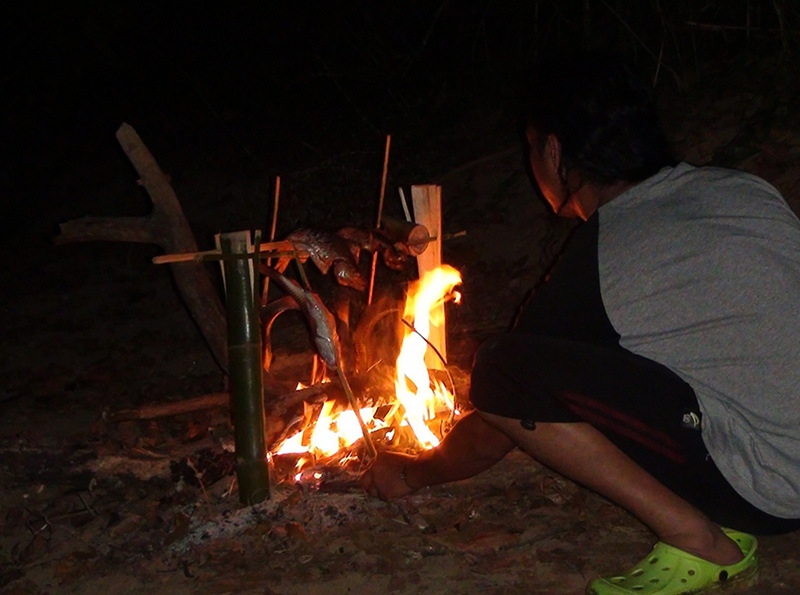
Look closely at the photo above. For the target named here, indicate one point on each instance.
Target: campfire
(412, 418)
(412, 415)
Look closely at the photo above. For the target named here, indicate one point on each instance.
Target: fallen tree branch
(167, 227)
(155, 410)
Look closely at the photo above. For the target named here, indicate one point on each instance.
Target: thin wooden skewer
(380, 215)
(354, 406)
(283, 248)
(406, 212)
(383, 179)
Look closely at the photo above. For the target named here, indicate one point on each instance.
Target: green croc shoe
(670, 571)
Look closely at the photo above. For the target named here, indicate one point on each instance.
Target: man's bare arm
(472, 446)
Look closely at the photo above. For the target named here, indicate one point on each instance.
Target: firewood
(156, 410)
(275, 408)
(427, 201)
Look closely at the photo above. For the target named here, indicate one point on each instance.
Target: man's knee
(485, 378)
(515, 376)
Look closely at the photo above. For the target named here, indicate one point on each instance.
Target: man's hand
(385, 478)
(472, 446)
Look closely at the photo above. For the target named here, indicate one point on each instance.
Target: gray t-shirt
(700, 271)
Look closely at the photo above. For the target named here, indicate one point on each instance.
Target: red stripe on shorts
(600, 414)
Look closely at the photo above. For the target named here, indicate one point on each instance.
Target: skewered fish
(320, 319)
(326, 250)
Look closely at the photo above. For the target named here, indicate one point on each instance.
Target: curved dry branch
(167, 227)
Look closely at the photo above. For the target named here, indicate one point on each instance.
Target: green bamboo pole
(244, 363)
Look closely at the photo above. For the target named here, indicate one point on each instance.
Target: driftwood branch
(156, 410)
(276, 411)
(167, 227)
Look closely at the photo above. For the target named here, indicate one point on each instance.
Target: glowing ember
(419, 398)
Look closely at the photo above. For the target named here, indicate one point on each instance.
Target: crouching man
(659, 363)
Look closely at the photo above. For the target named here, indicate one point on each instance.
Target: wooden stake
(427, 202)
(380, 215)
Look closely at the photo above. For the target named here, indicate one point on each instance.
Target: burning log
(412, 367)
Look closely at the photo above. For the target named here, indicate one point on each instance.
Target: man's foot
(711, 544)
(668, 570)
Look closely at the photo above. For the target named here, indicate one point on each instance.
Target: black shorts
(641, 406)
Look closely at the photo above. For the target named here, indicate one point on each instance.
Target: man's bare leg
(582, 453)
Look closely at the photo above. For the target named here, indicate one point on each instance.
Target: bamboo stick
(413, 235)
(380, 216)
(383, 179)
(244, 361)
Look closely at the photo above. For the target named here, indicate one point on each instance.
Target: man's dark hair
(602, 114)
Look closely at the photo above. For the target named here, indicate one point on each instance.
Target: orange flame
(413, 383)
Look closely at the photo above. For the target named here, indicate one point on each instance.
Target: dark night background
(226, 96)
